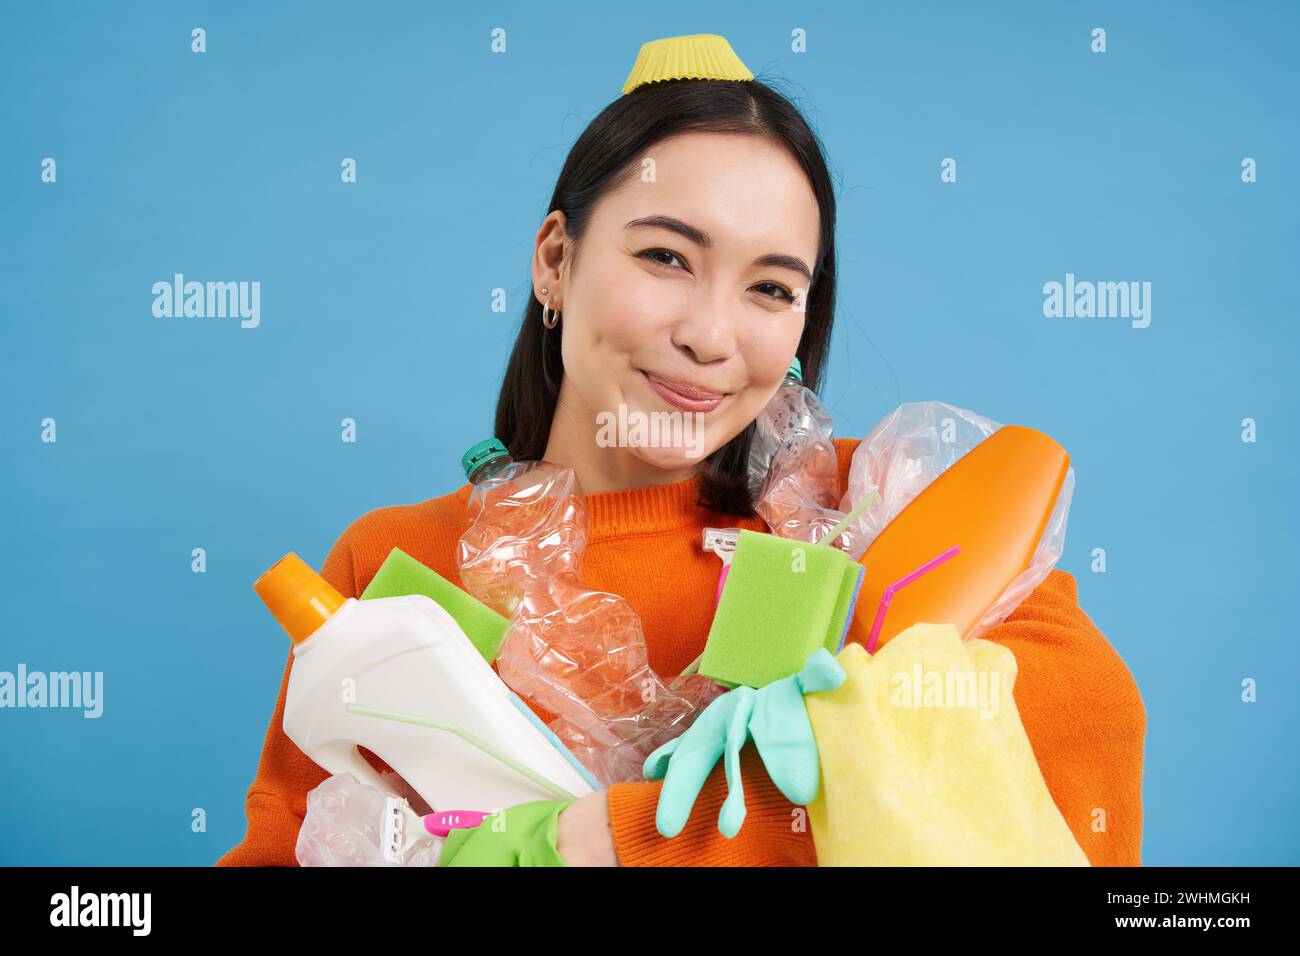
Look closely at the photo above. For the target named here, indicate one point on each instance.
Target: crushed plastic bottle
(350, 823)
(577, 653)
(793, 466)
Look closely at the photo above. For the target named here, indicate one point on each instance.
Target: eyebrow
(702, 238)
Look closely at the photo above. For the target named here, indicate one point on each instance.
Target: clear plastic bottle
(793, 466)
(350, 823)
(578, 653)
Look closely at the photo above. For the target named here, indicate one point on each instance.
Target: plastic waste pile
(574, 652)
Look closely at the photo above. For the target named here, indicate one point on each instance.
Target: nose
(707, 330)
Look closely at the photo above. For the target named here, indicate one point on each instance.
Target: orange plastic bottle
(993, 504)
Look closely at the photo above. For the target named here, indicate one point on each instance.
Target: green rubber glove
(775, 718)
(522, 835)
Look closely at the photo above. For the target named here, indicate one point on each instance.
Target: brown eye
(785, 295)
(651, 253)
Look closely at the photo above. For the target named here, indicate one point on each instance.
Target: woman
(688, 256)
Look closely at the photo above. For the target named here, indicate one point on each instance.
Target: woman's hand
(584, 837)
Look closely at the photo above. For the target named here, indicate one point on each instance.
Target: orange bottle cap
(299, 598)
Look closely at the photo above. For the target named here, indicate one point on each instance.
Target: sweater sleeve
(277, 799)
(1084, 716)
(775, 831)
(1081, 711)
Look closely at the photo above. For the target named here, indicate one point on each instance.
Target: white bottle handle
(342, 756)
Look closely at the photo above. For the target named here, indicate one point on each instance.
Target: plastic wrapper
(575, 652)
(908, 449)
(344, 826)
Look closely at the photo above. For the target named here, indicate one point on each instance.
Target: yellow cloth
(924, 761)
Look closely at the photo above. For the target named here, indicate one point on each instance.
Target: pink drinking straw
(902, 582)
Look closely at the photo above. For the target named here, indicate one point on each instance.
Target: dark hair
(608, 153)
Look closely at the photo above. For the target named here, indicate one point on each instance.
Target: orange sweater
(1080, 706)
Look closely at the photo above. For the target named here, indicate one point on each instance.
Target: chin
(671, 459)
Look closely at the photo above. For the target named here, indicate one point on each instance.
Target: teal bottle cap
(483, 451)
(796, 369)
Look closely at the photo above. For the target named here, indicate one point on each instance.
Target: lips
(685, 396)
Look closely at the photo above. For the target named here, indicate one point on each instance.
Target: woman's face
(684, 307)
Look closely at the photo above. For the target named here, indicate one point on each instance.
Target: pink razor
(440, 824)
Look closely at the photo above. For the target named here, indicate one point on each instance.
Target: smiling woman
(686, 257)
(691, 301)
(689, 248)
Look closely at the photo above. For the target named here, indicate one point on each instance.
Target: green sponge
(401, 574)
(781, 601)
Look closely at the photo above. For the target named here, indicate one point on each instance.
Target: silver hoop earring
(554, 320)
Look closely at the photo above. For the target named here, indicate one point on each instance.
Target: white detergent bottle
(476, 746)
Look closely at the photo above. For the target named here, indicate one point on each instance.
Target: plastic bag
(908, 449)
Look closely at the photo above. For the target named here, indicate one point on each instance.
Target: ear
(551, 247)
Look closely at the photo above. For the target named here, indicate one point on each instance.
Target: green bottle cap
(796, 369)
(484, 451)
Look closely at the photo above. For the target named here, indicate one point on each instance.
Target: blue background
(175, 434)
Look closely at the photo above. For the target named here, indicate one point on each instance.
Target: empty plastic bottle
(577, 653)
(793, 467)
